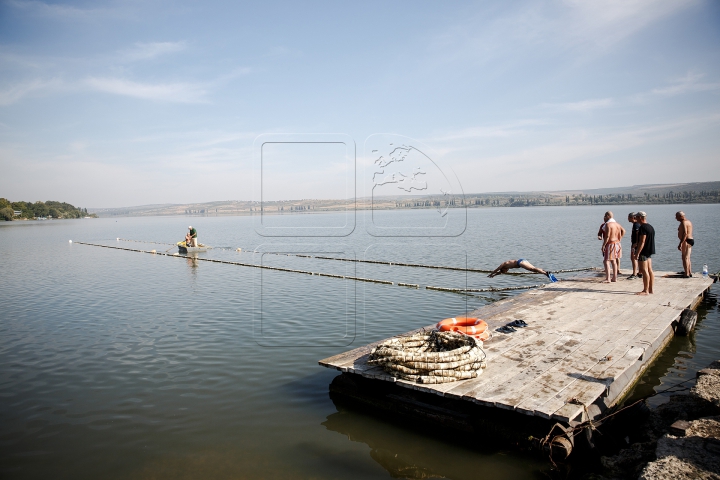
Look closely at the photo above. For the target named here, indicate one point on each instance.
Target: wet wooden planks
(586, 340)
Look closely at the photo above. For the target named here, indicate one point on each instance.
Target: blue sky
(106, 104)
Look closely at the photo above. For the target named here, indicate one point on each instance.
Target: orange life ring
(482, 337)
(468, 325)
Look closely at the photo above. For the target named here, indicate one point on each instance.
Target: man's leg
(634, 262)
(608, 265)
(641, 266)
(650, 274)
(617, 270)
(529, 266)
(686, 250)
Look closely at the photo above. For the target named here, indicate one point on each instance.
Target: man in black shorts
(644, 251)
(633, 241)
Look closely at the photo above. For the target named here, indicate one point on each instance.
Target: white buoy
(69, 241)
(118, 239)
(239, 249)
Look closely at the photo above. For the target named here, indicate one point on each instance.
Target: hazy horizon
(114, 104)
(604, 190)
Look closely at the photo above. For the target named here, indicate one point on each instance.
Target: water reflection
(407, 453)
(192, 261)
(680, 359)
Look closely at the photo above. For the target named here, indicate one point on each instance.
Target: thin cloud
(16, 92)
(164, 92)
(605, 23)
(489, 131)
(688, 84)
(579, 26)
(581, 106)
(146, 51)
(583, 144)
(61, 11)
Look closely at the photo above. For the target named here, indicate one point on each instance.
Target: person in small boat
(191, 237)
(520, 263)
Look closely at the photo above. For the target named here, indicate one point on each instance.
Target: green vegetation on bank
(529, 200)
(50, 209)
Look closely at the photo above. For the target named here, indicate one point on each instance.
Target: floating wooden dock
(586, 346)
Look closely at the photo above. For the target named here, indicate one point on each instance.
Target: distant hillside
(701, 192)
(698, 187)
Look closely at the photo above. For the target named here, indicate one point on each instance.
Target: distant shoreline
(682, 193)
(367, 208)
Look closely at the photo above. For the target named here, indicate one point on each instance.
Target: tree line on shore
(532, 200)
(29, 210)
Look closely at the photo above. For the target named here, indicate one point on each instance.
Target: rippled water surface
(118, 364)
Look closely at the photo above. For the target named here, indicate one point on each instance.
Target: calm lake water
(124, 365)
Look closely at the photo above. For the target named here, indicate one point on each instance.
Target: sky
(120, 103)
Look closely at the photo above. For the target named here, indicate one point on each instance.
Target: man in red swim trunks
(612, 248)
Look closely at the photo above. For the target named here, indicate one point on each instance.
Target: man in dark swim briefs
(520, 263)
(685, 234)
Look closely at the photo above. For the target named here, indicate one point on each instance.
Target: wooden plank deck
(587, 343)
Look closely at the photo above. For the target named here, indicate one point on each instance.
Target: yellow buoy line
(379, 262)
(319, 274)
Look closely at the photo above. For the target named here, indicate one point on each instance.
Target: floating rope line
(502, 289)
(241, 264)
(319, 274)
(142, 241)
(378, 262)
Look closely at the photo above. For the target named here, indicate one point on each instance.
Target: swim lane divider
(503, 289)
(319, 274)
(378, 262)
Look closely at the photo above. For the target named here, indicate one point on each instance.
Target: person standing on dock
(644, 251)
(633, 240)
(611, 247)
(193, 237)
(520, 263)
(685, 234)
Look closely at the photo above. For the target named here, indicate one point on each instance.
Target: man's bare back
(611, 247)
(614, 232)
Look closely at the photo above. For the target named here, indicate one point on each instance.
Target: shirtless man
(611, 247)
(520, 263)
(685, 234)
